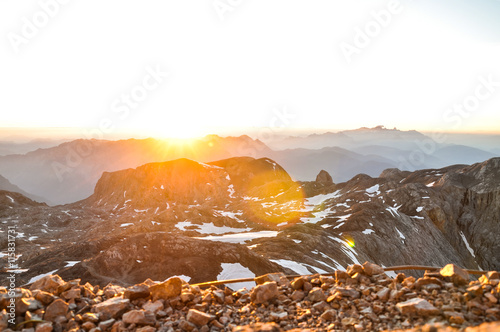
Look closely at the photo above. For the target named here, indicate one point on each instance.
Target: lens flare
(276, 200)
(350, 241)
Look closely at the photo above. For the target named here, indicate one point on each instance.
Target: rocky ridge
(253, 208)
(362, 298)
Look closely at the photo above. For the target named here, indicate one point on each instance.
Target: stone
(324, 178)
(269, 277)
(491, 298)
(56, 309)
(417, 306)
(298, 296)
(298, 283)
(153, 307)
(166, 290)
(44, 327)
(4, 319)
(87, 326)
(112, 308)
(146, 329)
(219, 296)
(48, 283)
(383, 294)
(341, 276)
(44, 297)
(454, 317)
(27, 304)
(90, 317)
(260, 327)
(72, 294)
(457, 275)
(371, 269)
(136, 292)
(316, 295)
(277, 316)
(186, 326)
(139, 317)
(198, 318)
(112, 291)
(106, 324)
(353, 269)
(187, 297)
(348, 321)
(348, 292)
(421, 282)
(265, 292)
(68, 285)
(329, 315)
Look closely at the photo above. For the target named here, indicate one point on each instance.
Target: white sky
(228, 75)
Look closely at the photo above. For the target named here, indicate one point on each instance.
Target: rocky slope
(362, 298)
(204, 213)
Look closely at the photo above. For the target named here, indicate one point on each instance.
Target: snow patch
(38, 277)
(368, 231)
(467, 244)
(374, 190)
(294, 266)
(210, 228)
(236, 271)
(240, 237)
(400, 234)
(183, 277)
(71, 263)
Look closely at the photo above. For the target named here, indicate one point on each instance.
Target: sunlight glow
(282, 201)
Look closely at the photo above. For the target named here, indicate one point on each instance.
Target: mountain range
(68, 172)
(245, 216)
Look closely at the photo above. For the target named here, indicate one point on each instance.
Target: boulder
(112, 308)
(56, 309)
(166, 290)
(269, 277)
(417, 306)
(371, 269)
(48, 283)
(265, 292)
(199, 318)
(139, 317)
(136, 292)
(324, 178)
(456, 274)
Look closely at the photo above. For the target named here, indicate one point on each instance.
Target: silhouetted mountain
(69, 172)
(460, 154)
(11, 147)
(7, 186)
(349, 139)
(341, 164)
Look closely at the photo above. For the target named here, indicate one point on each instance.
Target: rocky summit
(244, 217)
(363, 298)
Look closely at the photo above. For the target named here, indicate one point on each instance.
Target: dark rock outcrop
(324, 178)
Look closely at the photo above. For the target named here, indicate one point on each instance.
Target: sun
(179, 131)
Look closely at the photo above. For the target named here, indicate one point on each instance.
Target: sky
(189, 68)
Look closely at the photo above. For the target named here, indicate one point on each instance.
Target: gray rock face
(324, 178)
(131, 229)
